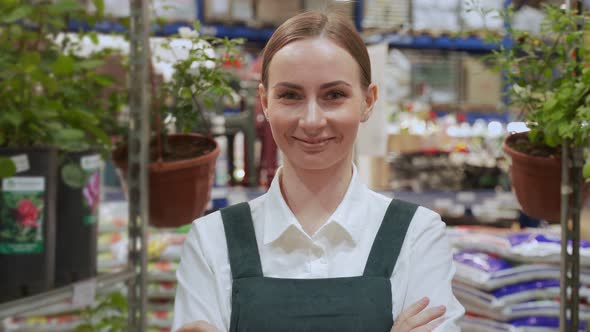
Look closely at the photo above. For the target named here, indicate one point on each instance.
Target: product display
(504, 286)
(523, 247)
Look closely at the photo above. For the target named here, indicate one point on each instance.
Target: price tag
(21, 162)
(90, 163)
(84, 293)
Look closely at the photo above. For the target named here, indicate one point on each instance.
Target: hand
(416, 319)
(198, 326)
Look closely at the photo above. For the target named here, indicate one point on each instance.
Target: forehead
(313, 60)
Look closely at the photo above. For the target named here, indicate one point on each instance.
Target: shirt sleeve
(196, 295)
(431, 268)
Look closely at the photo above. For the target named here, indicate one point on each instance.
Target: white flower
(210, 52)
(194, 69)
(186, 32)
(521, 91)
(517, 88)
(209, 64)
(202, 44)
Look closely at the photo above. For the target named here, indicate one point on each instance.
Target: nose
(312, 120)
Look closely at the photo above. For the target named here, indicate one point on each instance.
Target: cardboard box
(482, 85)
(217, 11)
(274, 12)
(175, 10)
(242, 11)
(406, 143)
(374, 171)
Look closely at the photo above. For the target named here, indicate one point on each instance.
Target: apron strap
(241, 241)
(389, 239)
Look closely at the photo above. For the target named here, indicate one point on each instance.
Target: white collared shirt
(340, 248)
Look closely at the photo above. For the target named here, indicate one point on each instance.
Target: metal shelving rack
(572, 161)
(137, 182)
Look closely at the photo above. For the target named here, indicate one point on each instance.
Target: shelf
(51, 297)
(443, 42)
(233, 31)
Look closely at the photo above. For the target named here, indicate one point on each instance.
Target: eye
(289, 95)
(335, 94)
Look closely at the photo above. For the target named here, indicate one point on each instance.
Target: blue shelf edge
(168, 29)
(470, 44)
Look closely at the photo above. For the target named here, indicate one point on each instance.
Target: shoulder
(424, 219)
(212, 224)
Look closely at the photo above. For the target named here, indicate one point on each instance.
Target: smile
(313, 144)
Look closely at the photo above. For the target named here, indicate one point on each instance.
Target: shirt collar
(348, 215)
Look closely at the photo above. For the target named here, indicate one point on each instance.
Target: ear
(263, 99)
(371, 96)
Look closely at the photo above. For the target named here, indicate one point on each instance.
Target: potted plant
(183, 164)
(52, 128)
(549, 84)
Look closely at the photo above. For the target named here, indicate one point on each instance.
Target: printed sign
(22, 206)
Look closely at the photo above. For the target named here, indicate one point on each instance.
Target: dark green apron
(262, 304)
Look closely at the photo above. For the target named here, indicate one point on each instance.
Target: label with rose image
(91, 191)
(21, 215)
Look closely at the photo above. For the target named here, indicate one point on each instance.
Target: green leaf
(7, 167)
(93, 37)
(73, 175)
(11, 117)
(18, 13)
(64, 65)
(80, 117)
(100, 135)
(71, 140)
(30, 58)
(551, 103)
(104, 80)
(88, 64)
(586, 171)
(99, 5)
(64, 7)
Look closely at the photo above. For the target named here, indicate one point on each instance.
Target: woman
(319, 251)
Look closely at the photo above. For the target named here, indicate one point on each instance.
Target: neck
(313, 195)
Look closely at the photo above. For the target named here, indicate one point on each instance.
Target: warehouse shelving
(59, 295)
(416, 41)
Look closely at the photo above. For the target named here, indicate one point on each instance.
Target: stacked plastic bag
(164, 248)
(112, 237)
(509, 281)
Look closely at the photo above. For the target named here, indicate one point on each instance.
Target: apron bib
(363, 303)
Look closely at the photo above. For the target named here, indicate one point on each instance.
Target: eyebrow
(323, 86)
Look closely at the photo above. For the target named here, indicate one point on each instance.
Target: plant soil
(180, 149)
(522, 144)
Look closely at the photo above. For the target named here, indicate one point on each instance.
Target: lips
(313, 144)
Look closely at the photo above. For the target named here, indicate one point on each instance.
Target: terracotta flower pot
(536, 182)
(179, 190)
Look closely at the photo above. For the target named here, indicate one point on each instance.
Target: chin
(316, 162)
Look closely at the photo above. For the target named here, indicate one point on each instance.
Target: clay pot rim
(168, 166)
(556, 161)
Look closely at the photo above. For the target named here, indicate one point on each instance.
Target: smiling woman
(319, 251)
